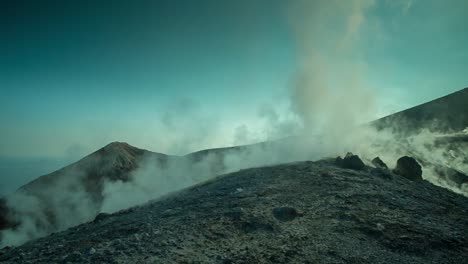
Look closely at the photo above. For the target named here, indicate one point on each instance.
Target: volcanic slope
(114, 162)
(305, 212)
(445, 114)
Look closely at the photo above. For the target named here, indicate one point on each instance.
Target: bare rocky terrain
(304, 212)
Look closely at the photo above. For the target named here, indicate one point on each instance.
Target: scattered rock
(409, 168)
(285, 213)
(378, 163)
(351, 161)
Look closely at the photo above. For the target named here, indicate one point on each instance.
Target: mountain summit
(79, 184)
(113, 162)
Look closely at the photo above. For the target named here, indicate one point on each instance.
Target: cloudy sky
(177, 76)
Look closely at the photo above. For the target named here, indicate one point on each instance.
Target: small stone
(285, 213)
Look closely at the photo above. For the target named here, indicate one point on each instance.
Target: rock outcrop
(409, 168)
(351, 161)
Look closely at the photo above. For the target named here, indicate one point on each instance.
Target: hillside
(114, 162)
(306, 212)
(445, 114)
(87, 177)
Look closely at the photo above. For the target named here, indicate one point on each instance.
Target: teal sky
(177, 76)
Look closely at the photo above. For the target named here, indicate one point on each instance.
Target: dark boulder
(378, 163)
(409, 168)
(351, 161)
(285, 213)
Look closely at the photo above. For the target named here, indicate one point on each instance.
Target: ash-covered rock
(409, 168)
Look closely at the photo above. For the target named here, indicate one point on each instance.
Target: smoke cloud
(332, 98)
(48, 208)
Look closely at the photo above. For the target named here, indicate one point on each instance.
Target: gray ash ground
(306, 212)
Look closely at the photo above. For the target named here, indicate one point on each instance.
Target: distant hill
(113, 162)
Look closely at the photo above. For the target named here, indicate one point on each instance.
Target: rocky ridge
(304, 212)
